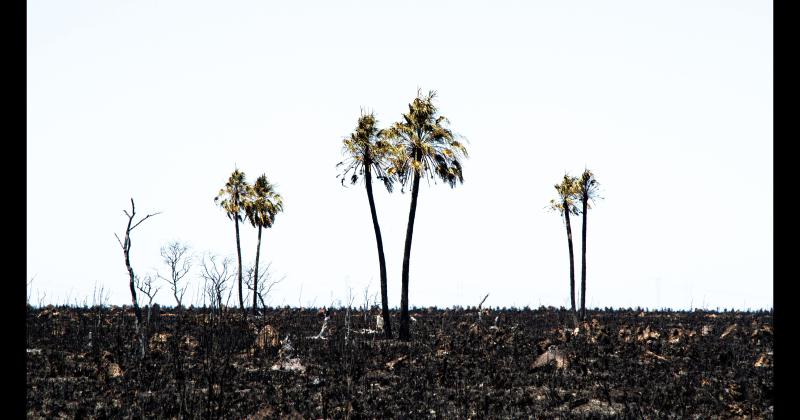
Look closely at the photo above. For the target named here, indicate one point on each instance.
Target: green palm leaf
(422, 144)
(367, 147)
(233, 196)
(263, 203)
(567, 196)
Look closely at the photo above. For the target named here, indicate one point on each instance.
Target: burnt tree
(126, 249)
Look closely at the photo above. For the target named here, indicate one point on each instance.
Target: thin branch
(480, 318)
(145, 218)
(484, 300)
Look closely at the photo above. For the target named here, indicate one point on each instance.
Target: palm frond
(365, 148)
(587, 188)
(566, 198)
(423, 144)
(233, 196)
(263, 203)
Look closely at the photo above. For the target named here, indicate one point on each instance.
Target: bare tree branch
(145, 218)
(484, 300)
(265, 283)
(216, 278)
(146, 286)
(176, 256)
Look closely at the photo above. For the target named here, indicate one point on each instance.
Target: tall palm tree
(260, 209)
(424, 147)
(586, 189)
(232, 199)
(367, 154)
(564, 203)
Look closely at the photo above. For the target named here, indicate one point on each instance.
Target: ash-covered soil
(88, 362)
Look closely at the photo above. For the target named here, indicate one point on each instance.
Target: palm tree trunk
(387, 326)
(255, 274)
(583, 260)
(571, 259)
(405, 319)
(239, 254)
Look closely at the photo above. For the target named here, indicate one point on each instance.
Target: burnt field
(92, 362)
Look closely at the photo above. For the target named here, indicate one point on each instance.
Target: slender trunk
(239, 254)
(571, 259)
(127, 250)
(583, 260)
(263, 305)
(255, 274)
(175, 289)
(405, 319)
(136, 309)
(387, 326)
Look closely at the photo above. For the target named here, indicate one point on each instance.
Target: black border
(780, 289)
(15, 164)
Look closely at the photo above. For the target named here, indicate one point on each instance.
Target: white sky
(669, 103)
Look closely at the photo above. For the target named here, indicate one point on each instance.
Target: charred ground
(88, 362)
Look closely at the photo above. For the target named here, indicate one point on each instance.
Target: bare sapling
(265, 284)
(365, 308)
(216, 275)
(177, 257)
(146, 287)
(126, 249)
(100, 296)
(371, 308)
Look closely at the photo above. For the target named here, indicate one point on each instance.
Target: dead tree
(265, 284)
(146, 286)
(480, 318)
(216, 276)
(126, 249)
(176, 256)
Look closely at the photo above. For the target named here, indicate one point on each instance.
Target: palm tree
(424, 147)
(232, 199)
(586, 189)
(261, 207)
(564, 203)
(367, 154)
